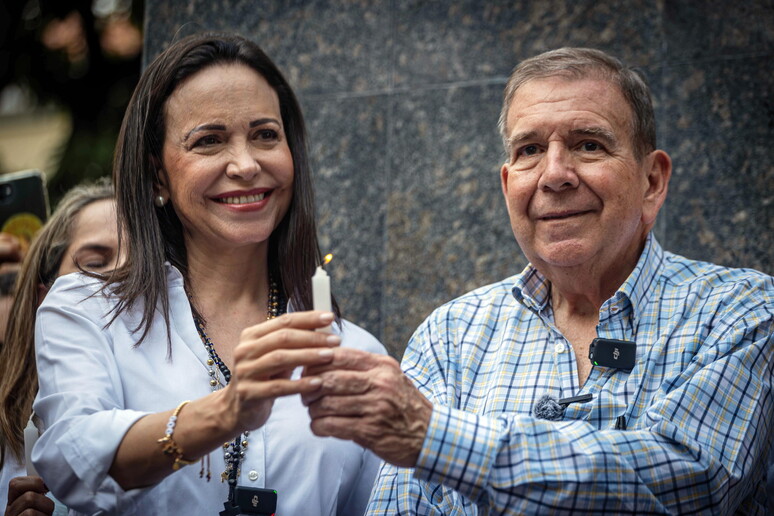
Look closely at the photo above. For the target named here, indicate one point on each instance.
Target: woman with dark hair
(188, 346)
(81, 234)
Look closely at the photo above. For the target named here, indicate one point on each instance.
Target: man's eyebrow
(518, 138)
(600, 133)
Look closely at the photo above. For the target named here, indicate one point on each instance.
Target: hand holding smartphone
(23, 205)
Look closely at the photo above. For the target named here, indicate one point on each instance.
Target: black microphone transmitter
(619, 354)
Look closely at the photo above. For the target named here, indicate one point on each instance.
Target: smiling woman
(227, 168)
(214, 195)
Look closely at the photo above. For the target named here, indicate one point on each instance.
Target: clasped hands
(351, 394)
(27, 496)
(366, 398)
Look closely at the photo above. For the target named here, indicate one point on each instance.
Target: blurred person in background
(80, 235)
(7, 281)
(10, 252)
(10, 255)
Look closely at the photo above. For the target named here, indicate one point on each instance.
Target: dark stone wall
(402, 97)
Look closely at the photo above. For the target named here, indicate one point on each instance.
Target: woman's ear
(162, 195)
(160, 188)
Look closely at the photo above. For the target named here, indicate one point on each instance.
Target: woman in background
(188, 346)
(81, 234)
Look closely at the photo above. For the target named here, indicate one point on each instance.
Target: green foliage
(84, 78)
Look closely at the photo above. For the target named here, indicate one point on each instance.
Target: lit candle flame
(327, 259)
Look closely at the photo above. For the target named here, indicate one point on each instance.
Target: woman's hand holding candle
(321, 291)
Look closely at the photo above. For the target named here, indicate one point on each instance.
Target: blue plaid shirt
(698, 403)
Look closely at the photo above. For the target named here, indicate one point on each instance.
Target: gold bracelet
(169, 446)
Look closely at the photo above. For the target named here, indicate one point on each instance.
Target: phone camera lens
(5, 191)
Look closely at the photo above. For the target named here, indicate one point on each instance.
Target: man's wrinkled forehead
(571, 79)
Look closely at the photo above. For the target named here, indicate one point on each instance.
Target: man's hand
(27, 495)
(366, 398)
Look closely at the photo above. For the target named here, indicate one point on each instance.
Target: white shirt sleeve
(79, 401)
(96, 384)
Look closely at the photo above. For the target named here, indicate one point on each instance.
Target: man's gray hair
(582, 63)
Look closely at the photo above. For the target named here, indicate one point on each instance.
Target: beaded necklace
(234, 451)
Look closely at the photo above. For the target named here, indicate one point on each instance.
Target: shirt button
(253, 475)
(559, 347)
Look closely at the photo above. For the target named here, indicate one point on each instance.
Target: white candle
(30, 436)
(321, 292)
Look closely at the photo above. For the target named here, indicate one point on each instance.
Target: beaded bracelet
(168, 445)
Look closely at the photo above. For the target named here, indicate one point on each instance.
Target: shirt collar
(532, 289)
(639, 287)
(174, 276)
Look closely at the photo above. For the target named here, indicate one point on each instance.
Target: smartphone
(23, 204)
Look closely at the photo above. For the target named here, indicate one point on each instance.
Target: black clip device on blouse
(251, 500)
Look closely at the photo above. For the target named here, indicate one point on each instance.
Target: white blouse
(95, 384)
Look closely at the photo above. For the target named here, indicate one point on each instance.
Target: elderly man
(673, 414)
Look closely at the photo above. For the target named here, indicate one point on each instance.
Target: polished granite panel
(402, 100)
(346, 142)
(321, 46)
(715, 28)
(447, 226)
(722, 190)
(439, 42)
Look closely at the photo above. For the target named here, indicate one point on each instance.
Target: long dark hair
(156, 235)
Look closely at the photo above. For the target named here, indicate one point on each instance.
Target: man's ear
(658, 167)
(504, 182)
